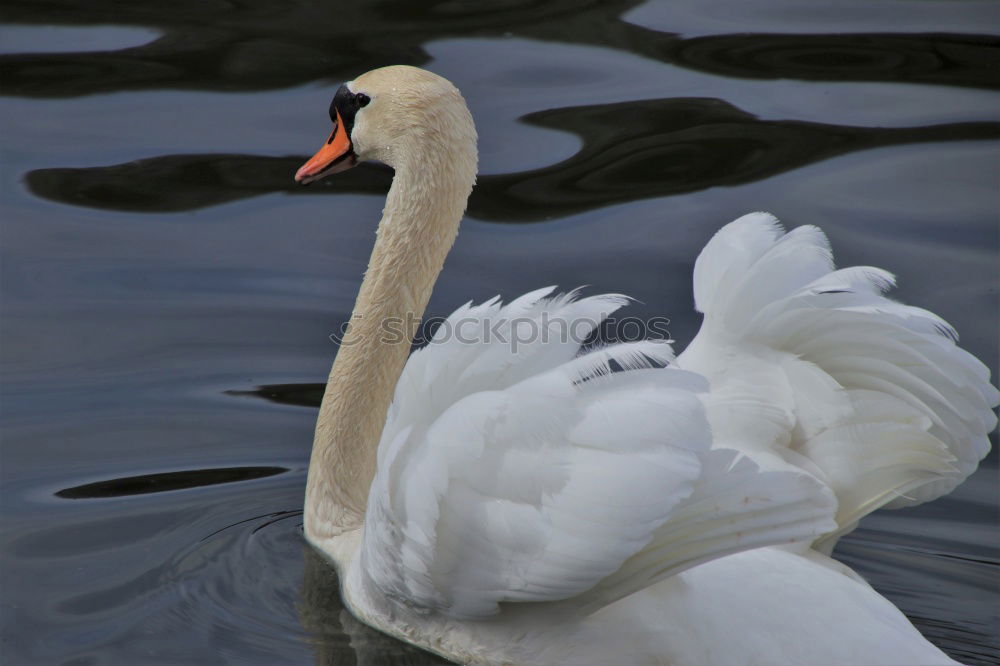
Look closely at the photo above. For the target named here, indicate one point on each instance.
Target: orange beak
(335, 156)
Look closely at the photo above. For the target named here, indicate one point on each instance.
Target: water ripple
(285, 43)
(631, 150)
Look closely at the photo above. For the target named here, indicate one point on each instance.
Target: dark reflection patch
(631, 150)
(164, 481)
(957, 60)
(303, 395)
(283, 43)
(186, 182)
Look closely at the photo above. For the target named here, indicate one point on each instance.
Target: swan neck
(418, 227)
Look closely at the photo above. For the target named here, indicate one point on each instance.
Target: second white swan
(552, 505)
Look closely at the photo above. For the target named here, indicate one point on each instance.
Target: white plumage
(542, 476)
(533, 502)
(875, 393)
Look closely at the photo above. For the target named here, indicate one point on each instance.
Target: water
(168, 292)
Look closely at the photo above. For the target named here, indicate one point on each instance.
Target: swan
(547, 504)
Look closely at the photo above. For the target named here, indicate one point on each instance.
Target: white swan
(531, 506)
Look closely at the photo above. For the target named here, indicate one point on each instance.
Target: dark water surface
(168, 292)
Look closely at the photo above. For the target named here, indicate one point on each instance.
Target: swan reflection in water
(324, 616)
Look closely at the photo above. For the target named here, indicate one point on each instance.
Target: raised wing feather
(534, 475)
(817, 365)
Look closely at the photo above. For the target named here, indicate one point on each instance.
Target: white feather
(538, 473)
(875, 394)
(507, 485)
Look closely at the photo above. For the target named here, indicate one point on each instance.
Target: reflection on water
(631, 150)
(167, 301)
(281, 44)
(53, 39)
(957, 60)
(320, 611)
(166, 481)
(304, 395)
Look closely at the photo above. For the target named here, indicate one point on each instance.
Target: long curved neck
(419, 224)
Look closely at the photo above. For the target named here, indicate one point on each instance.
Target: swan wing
(536, 474)
(817, 365)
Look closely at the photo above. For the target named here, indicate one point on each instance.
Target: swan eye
(345, 106)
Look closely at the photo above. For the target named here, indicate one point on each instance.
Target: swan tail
(875, 394)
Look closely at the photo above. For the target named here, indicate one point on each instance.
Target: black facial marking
(347, 103)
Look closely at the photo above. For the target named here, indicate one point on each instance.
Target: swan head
(403, 116)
